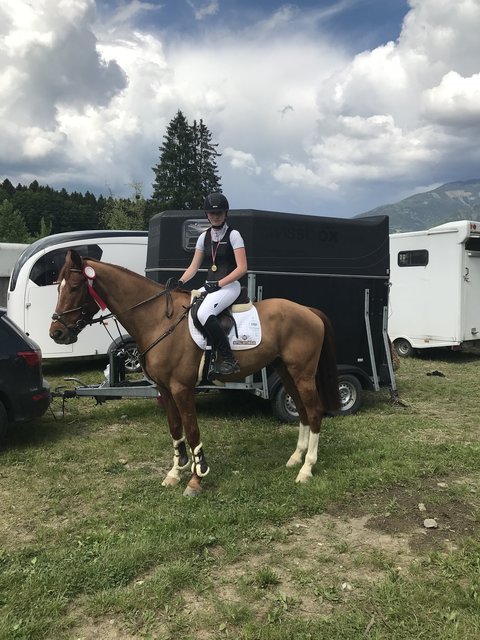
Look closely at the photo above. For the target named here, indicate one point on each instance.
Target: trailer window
(415, 258)
(472, 244)
(191, 230)
(45, 271)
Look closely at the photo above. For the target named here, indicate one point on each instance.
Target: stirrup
(227, 367)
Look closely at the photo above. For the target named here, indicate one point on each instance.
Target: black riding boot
(220, 343)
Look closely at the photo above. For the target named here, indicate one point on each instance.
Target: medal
(214, 253)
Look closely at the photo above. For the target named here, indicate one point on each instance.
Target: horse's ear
(74, 258)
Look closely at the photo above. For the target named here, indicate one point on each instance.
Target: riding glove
(173, 283)
(211, 286)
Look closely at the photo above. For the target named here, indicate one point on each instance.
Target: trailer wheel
(403, 348)
(283, 406)
(350, 391)
(129, 346)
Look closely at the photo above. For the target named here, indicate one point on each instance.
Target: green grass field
(92, 546)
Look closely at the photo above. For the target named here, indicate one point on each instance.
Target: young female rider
(224, 251)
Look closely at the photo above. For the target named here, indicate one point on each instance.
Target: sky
(326, 107)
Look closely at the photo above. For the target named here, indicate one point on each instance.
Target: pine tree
(45, 228)
(125, 213)
(187, 169)
(206, 162)
(12, 224)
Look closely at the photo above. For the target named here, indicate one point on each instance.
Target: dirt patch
(452, 503)
(100, 630)
(313, 567)
(325, 561)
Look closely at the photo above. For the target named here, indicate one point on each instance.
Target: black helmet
(215, 202)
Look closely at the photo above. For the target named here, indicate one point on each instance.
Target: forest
(185, 173)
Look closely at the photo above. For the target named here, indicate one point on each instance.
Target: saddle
(247, 335)
(225, 319)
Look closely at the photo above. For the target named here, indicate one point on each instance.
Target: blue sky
(329, 108)
(358, 24)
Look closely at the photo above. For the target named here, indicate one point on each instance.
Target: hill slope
(451, 201)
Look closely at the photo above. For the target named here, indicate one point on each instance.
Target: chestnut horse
(296, 340)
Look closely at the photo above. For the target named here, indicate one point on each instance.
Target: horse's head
(75, 306)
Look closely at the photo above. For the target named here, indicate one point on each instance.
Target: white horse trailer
(435, 287)
(32, 293)
(9, 254)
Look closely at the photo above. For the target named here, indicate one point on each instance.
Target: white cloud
(203, 9)
(132, 9)
(297, 119)
(455, 101)
(383, 117)
(242, 160)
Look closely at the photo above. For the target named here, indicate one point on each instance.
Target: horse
(297, 341)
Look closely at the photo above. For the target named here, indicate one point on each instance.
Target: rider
(224, 249)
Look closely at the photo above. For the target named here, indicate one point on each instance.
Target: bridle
(84, 319)
(82, 322)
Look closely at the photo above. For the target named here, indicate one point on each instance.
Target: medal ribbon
(214, 253)
(90, 275)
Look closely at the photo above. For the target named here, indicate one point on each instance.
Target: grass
(91, 544)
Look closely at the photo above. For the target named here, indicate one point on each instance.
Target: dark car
(24, 393)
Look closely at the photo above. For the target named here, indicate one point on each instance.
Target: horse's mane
(136, 275)
(129, 272)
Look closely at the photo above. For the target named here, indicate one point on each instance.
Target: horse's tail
(327, 374)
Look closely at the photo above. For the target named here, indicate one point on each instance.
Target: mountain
(451, 201)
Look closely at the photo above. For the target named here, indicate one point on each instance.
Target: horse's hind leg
(308, 392)
(303, 430)
(302, 387)
(180, 456)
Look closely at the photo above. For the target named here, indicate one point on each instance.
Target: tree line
(185, 173)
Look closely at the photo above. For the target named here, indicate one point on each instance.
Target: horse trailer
(340, 266)
(9, 254)
(435, 288)
(32, 291)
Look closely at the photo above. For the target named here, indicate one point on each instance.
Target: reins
(170, 330)
(168, 313)
(82, 322)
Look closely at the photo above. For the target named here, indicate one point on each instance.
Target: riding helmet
(215, 202)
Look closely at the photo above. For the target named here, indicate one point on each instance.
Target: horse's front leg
(180, 455)
(185, 401)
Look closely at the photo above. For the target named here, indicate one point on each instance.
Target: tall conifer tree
(187, 169)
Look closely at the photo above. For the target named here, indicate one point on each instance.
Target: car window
(45, 271)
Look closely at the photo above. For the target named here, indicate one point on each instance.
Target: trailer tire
(350, 390)
(132, 360)
(283, 406)
(403, 348)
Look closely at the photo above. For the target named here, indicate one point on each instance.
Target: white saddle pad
(248, 327)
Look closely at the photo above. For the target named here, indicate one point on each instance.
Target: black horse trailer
(340, 266)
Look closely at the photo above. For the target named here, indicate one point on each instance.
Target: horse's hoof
(302, 478)
(192, 492)
(170, 481)
(293, 461)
